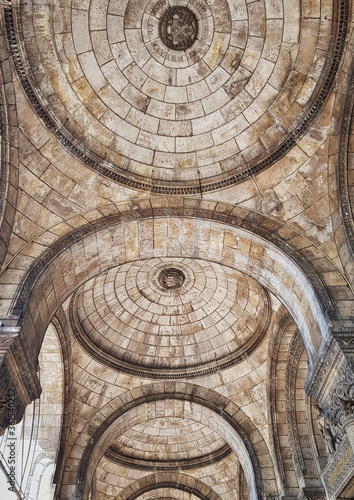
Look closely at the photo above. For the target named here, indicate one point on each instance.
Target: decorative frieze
(339, 470)
(311, 494)
(340, 409)
(295, 352)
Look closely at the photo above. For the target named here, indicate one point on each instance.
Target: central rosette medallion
(178, 28)
(171, 278)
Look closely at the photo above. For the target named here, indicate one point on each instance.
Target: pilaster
(331, 384)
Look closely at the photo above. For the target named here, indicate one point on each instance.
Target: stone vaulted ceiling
(249, 84)
(177, 205)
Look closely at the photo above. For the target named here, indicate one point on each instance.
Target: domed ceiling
(178, 96)
(173, 444)
(170, 317)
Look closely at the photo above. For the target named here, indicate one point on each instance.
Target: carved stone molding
(172, 480)
(322, 378)
(311, 494)
(346, 342)
(273, 397)
(340, 408)
(334, 368)
(332, 434)
(166, 465)
(3, 155)
(295, 352)
(60, 324)
(331, 383)
(343, 332)
(346, 130)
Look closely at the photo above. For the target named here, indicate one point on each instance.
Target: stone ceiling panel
(168, 439)
(224, 478)
(171, 315)
(162, 92)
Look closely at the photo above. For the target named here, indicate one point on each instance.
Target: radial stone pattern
(169, 91)
(170, 316)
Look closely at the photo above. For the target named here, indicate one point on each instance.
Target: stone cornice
(328, 357)
(167, 465)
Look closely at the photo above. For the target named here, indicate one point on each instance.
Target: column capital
(343, 332)
(18, 375)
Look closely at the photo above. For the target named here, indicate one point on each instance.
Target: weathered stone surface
(176, 202)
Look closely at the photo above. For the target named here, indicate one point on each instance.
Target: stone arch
(278, 349)
(163, 230)
(297, 246)
(295, 351)
(225, 417)
(59, 323)
(154, 228)
(302, 418)
(56, 274)
(288, 407)
(175, 481)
